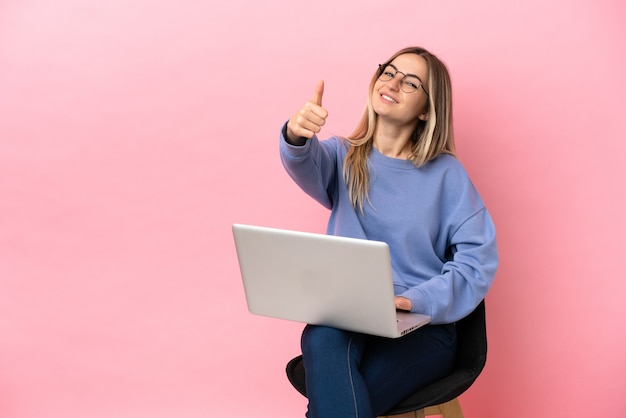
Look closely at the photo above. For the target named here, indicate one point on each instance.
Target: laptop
(319, 279)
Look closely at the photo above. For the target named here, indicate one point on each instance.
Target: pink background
(134, 133)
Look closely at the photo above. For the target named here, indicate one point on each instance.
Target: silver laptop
(321, 279)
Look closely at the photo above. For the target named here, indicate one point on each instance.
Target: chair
(440, 397)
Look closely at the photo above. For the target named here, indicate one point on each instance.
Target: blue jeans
(352, 375)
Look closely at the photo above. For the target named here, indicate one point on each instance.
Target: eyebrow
(406, 74)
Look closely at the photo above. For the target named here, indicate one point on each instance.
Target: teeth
(391, 99)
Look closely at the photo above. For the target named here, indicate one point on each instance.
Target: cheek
(421, 106)
(375, 98)
(375, 90)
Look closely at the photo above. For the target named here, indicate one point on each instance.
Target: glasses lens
(387, 73)
(410, 84)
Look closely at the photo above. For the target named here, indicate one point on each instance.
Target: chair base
(451, 409)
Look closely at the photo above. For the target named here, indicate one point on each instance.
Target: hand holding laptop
(403, 304)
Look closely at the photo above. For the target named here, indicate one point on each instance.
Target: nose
(394, 83)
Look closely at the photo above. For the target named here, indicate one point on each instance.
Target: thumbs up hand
(309, 119)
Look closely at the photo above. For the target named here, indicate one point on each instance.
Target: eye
(411, 84)
(389, 70)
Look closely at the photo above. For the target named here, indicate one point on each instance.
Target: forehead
(411, 64)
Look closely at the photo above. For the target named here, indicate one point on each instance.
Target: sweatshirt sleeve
(465, 278)
(313, 166)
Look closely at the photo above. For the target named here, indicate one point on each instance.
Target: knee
(316, 339)
(327, 343)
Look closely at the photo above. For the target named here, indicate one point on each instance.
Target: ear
(423, 116)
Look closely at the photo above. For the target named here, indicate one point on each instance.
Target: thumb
(319, 92)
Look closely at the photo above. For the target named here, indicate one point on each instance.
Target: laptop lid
(320, 279)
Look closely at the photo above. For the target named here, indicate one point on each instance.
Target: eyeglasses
(409, 83)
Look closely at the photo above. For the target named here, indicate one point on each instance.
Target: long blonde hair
(430, 138)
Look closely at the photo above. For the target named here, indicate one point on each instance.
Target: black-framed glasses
(409, 83)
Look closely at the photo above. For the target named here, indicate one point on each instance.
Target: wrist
(292, 139)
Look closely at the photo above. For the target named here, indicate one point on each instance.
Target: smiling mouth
(388, 98)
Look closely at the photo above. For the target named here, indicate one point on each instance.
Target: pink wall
(133, 133)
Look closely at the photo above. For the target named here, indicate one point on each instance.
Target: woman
(395, 179)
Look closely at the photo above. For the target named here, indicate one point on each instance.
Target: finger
(306, 128)
(314, 113)
(403, 303)
(319, 92)
(301, 125)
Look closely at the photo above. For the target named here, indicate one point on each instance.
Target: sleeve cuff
(283, 133)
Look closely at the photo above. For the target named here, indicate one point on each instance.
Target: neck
(393, 141)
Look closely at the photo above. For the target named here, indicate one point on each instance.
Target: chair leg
(451, 409)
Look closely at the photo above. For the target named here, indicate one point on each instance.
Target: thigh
(395, 368)
(332, 359)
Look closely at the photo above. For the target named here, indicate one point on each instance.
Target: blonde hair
(430, 138)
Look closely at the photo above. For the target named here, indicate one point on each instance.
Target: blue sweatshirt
(441, 238)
